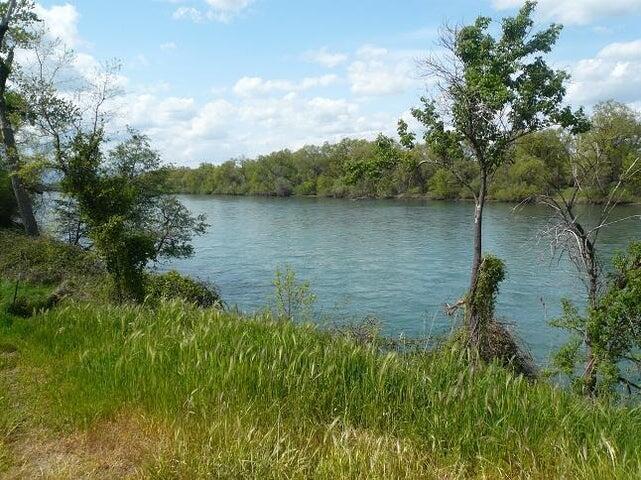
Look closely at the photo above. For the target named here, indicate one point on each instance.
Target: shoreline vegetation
(168, 389)
(632, 201)
(538, 166)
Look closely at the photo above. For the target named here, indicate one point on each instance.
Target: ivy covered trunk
(472, 318)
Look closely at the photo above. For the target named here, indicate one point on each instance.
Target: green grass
(253, 398)
(27, 294)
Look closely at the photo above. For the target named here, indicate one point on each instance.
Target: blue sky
(208, 80)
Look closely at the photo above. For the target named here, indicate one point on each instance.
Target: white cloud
(229, 5)
(614, 73)
(189, 13)
(61, 21)
(168, 46)
(257, 86)
(256, 116)
(325, 57)
(218, 10)
(622, 51)
(580, 12)
(380, 72)
(190, 133)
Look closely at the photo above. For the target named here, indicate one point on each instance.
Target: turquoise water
(397, 260)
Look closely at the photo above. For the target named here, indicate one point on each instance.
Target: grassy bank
(227, 397)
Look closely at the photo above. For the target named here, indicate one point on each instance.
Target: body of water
(397, 260)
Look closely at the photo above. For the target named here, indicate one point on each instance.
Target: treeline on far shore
(536, 161)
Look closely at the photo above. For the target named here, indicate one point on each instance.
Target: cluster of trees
(533, 161)
(116, 197)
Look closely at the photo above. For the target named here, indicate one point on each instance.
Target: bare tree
(569, 234)
(64, 103)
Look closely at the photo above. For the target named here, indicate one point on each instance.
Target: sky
(210, 80)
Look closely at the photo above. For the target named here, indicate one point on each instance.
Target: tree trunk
(472, 319)
(589, 375)
(23, 199)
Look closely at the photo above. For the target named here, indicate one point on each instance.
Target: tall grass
(255, 398)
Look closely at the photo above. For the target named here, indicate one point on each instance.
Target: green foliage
(325, 171)
(123, 200)
(254, 398)
(501, 74)
(292, 300)
(126, 252)
(21, 32)
(443, 185)
(613, 327)
(605, 152)
(539, 163)
(46, 261)
(174, 286)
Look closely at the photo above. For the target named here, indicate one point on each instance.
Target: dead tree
(568, 234)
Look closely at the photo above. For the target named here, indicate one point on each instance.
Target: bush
(173, 285)
(443, 185)
(44, 260)
(293, 300)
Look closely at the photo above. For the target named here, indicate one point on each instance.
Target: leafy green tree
(493, 91)
(122, 196)
(605, 153)
(17, 19)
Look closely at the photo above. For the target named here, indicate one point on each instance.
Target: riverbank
(630, 201)
(169, 390)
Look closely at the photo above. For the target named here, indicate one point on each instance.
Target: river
(399, 261)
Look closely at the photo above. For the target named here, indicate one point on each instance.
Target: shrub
(443, 185)
(173, 285)
(44, 260)
(292, 299)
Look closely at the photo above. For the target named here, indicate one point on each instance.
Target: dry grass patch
(117, 448)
